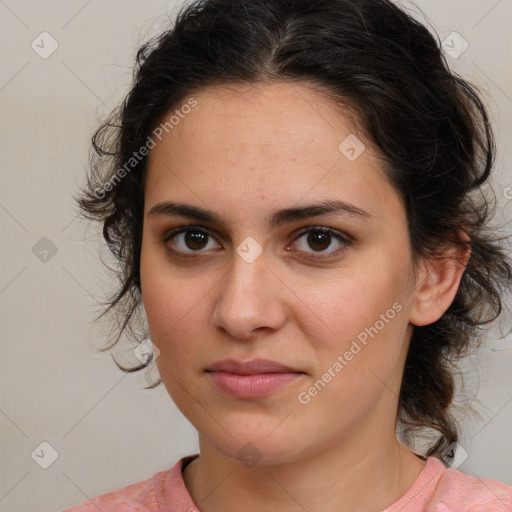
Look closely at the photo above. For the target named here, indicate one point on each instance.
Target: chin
(256, 448)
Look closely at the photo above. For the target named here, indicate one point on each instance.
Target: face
(327, 294)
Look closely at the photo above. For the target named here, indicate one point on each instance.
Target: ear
(437, 284)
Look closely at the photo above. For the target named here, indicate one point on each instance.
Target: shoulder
(163, 492)
(457, 491)
(137, 497)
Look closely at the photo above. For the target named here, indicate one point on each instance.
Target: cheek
(352, 304)
(176, 305)
(362, 363)
(367, 312)
(168, 293)
(169, 306)
(171, 311)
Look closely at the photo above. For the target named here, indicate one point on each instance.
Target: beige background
(107, 430)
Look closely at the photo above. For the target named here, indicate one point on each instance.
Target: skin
(244, 152)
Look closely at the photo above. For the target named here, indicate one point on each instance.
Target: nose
(250, 298)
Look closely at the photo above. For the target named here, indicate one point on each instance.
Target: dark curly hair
(429, 124)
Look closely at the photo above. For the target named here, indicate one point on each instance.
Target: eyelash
(345, 240)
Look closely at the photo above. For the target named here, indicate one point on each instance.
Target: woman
(291, 189)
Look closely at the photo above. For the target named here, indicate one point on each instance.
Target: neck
(347, 477)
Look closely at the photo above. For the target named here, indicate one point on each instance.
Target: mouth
(252, 379)
(251, 367)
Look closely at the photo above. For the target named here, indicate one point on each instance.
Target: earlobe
(437, 284)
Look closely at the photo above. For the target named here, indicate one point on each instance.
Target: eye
(320, 239)
(190, 240)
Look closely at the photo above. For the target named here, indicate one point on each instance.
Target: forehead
(262, 143)
(284, 114)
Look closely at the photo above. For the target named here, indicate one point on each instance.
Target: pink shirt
(437, 489)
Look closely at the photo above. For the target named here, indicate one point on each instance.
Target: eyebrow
(277, 218)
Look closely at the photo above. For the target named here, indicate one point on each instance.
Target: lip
(251, 367)
(252, 379)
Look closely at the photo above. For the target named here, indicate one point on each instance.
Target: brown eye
(319, 239)
(188, 240)
(195, 240)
